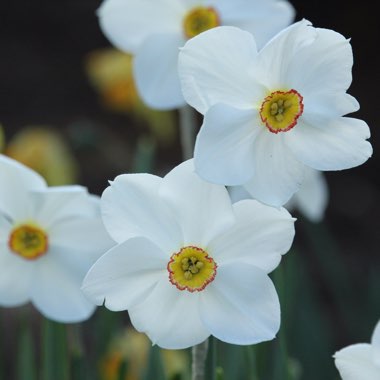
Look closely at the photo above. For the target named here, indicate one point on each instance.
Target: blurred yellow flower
(1, 138)
(110, 73)
(133, 348)
(44, 150)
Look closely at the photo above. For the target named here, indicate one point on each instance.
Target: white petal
(156, 73)
(375, 341)
(16, 278)
(56, 292)
(126, 274)
(5, 227)
(128, 23)
(355, 362)
(325, 65)
(278, 175)
(238, 193)
(16, 181)
(319, 106)
(132, 207)
(55, 204)
(81, 234)
(202, 209)
(261, 18)
(214, 67)
(259, 237)
(335, 145)
(311, 199)
(276, 58)
(224, 147)
(170, 317)
(241, 305)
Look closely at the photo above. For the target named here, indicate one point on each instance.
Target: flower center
(191, 269)
(200, 19)
(28, 241)
(281, 110)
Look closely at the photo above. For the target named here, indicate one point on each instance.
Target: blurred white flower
(188, 263)
(270, 114)
(50, 236)
(154, 30)
(360, 361)
(312, 197)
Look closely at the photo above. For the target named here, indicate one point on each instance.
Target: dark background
(42, 82)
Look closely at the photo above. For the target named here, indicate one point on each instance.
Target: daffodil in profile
(50, 236)
(312, 198)
(361, 360)
(271, 113)
(154, 30)
(188, 263)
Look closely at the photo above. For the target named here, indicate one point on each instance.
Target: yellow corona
(200, 19)
(281, 110)
(28, 241)
(191, 269)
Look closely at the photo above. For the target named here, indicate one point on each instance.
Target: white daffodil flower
(268, 114)
(50, 236)
(360, 361)
(310, 200)
(188, 263)
(154, 30)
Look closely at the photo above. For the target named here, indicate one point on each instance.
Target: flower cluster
(275, 112)
(154, 30)
(188, 257)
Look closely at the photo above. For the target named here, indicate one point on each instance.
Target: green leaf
(211, 359)
(55, 358)
(155, 369)
(143, 161)
(26, 360)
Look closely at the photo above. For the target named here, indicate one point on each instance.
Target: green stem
(187, 125)
(281, 369)
(2, 347)
(199, 354)
(78, 365)
(26, 368)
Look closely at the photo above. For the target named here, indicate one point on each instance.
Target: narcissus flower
(268, 114)
(188, 263)
(360, 361)
(49, 239)
(154, 30)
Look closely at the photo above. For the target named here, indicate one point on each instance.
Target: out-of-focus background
(68, 108)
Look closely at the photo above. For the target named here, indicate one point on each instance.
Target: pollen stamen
(200, 19)
(281, 110)
(28, 241)
(191, 269)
